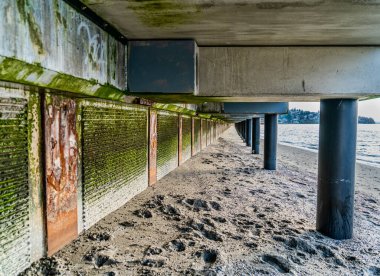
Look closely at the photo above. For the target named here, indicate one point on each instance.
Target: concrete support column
(256, 135)
(270, 142)
(336, 167)
(249, 133)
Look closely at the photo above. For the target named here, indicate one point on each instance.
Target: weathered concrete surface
(114, 156)
(21, 241)
(289, 73)
(246, 22)
(61, 48)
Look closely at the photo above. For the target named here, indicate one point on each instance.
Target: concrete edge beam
(289, 73)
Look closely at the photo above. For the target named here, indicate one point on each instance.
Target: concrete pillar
(256, 135)
(270, 141)
(336, 167)
(249, 133)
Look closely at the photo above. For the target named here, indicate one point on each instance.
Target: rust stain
(192, 137)
(201, 133)
(207, 126)
(152, 147)
(61, 159)
(179, 140)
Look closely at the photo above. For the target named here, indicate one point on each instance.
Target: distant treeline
(298, 116)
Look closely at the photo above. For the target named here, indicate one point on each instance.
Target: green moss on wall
(174, 108)
(14, 185)
(167, 138)
(186, 133)
(114, 149)
(163, 13)
(26, 14)
(59, 18)
(17, 71)
(179, 98)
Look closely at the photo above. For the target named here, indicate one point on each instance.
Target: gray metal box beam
(162, 66)
(256, 108)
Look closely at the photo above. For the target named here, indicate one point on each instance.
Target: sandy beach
(220, 213)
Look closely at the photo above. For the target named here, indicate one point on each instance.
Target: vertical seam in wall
(43, 165)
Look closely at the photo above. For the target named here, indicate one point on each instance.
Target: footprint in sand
(209, 256)
(374, 270)
(99, 236)
(279, 263)
(153, 251)
(128, 224)
(143, 213)
(99, 258)
(153, 263)
(176, 245)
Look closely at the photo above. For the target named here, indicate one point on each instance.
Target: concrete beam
(256, 108)
(55, 47)
(289, 73)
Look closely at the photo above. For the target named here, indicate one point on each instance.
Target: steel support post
(249, 133)
(336, 167)
(270, 142)
(256, 135)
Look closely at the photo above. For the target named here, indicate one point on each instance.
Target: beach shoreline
(220, 213)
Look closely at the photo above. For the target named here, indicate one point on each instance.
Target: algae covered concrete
(186, 137)
(20, 180)
(114, 156)
(56, 37)
(167, 142)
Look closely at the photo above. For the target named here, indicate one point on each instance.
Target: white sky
(370, 108)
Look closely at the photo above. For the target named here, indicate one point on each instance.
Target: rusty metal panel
(152, 147)
(61, 159)
(167, 142)
(192, 137)
(186, 138)
(14, 187)
(114, 156)
(179, 139)
(209, 132)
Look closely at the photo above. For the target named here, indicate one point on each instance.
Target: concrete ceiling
(246, 22)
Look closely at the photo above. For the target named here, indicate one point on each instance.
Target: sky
(369, 108)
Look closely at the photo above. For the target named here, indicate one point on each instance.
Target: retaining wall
(67, 162)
